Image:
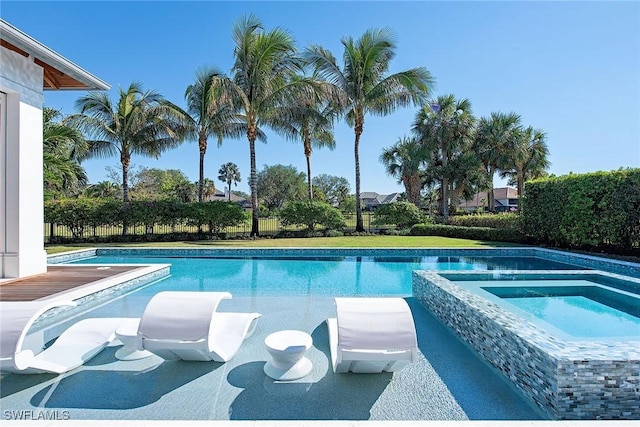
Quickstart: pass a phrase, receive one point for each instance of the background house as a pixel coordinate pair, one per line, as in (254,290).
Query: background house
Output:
(220,196)
(371,200)
(28,68)
(506,199)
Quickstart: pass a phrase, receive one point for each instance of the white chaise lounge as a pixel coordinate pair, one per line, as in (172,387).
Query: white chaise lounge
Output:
(75,346)
(186,325)
(372,335)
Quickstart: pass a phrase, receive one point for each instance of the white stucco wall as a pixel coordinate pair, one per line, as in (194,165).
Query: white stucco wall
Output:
(21,206)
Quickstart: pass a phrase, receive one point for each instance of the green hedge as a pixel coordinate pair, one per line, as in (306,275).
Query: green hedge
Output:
(500,220)
(81,214)
(474,233)
(598,210)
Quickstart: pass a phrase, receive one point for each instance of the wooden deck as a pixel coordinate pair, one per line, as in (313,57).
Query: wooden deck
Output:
(57,279)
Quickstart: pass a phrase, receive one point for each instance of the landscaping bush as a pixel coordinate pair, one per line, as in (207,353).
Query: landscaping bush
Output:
(474,233)
(598,210)
(216,215)
(500,220)
(311,214)
(400,214)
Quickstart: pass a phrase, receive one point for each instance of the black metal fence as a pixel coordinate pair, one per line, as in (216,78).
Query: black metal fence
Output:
(270,226)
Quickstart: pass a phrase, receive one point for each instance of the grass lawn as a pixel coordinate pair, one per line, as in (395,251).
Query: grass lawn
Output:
(315,242)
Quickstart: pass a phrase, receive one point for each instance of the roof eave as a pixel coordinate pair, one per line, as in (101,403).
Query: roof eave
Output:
(27,43)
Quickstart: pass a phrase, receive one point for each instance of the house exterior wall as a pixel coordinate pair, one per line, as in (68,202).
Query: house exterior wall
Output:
(21,206)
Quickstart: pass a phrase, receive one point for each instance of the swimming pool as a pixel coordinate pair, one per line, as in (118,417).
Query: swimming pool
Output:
(449,382)
(316,275)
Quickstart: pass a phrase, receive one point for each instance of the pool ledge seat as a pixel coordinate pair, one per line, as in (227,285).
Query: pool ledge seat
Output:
(186,326)
(76,345)
(372,335)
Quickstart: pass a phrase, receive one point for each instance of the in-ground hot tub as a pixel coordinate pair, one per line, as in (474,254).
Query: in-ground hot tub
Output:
(571,372)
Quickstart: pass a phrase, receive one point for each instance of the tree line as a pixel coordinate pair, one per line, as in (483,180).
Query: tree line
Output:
(300,94)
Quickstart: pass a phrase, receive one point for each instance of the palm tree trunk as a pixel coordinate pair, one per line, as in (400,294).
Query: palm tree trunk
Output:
(356,152)
(252,134)
(307,154)
(490,198)
(520,188)
(413,186)
(229,189)
(202,143)
(445,185)
(125,160)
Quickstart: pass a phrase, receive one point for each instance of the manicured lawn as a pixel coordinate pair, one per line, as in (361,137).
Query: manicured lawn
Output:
(334,242)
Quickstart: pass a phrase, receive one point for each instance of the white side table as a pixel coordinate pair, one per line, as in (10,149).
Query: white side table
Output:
(127,333)
(287,349)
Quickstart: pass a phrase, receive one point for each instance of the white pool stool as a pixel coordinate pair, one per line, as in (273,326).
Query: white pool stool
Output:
(287,349)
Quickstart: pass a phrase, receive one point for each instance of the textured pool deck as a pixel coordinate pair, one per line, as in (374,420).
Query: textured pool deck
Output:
(448,383)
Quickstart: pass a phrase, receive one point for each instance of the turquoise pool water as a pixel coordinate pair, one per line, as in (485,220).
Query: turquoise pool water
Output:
(328,276)
(572,307)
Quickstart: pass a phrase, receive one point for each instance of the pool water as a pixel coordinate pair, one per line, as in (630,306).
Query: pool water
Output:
(578,308)
(328,276)
(580,316)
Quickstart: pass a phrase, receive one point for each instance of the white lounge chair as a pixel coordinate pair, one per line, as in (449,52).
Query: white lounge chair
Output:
(75,346)
(186,325)
(372,335)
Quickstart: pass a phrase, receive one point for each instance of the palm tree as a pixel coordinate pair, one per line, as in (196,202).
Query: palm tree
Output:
(492,136)
(403,160)
(229,173)
(528,158)
(365,86)
(209,188)
(103,189)
(309,117)
(445,126)
(210,114)
(261,81)
(63,148)
(141,122)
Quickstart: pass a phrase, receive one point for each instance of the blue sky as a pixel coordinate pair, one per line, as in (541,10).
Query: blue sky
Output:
(569,68)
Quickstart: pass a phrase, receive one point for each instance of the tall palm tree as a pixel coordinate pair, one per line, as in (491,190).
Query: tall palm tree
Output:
(309,118)
(140,122)
(491,142)
(260,81)
(229,173)
(403,160)
(445,126)
(528,158)
(63,149)
(210,114)
(366,86)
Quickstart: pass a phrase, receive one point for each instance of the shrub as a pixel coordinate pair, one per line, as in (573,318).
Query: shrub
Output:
(311,214)
(474,233)
(216,215)
(400,214)
(595,210)
(75,214)
(501,220)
